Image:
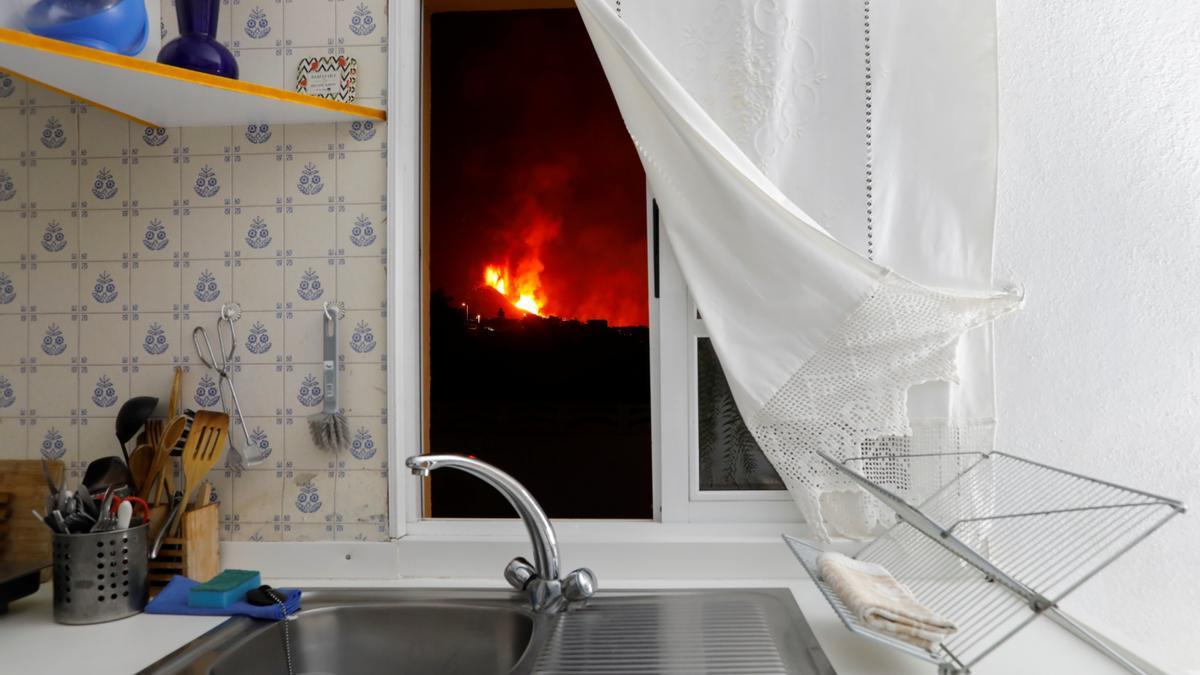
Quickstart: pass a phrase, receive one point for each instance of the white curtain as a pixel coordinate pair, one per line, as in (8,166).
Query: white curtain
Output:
(833,336)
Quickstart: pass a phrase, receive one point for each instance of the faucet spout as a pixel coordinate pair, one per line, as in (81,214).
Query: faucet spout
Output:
(547,591)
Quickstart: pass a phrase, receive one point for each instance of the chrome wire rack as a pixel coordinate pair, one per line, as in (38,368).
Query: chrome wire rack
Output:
(996,547)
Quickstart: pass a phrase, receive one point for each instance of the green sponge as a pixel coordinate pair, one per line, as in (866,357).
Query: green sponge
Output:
(223,590)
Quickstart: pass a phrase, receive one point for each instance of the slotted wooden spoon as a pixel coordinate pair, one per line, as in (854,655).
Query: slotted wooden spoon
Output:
(200,453)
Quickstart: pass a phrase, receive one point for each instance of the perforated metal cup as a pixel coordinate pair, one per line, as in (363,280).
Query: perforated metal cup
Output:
(100,577)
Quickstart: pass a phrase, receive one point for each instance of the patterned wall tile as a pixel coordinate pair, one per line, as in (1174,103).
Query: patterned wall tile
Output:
(116,240)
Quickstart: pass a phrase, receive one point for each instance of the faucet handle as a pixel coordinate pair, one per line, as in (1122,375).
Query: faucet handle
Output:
(518,573)
(579,585)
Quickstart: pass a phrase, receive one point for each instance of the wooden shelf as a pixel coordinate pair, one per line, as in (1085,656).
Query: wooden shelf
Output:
(157,95)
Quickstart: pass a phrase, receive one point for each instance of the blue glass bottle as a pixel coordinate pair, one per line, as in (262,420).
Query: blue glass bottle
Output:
(197,48)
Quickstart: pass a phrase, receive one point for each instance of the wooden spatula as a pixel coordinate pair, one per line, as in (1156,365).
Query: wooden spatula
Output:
(200,453)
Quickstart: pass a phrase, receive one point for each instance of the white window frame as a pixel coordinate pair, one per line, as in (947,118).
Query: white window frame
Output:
(679,505)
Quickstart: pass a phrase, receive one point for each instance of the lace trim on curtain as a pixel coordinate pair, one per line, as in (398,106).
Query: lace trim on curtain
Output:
(850,400)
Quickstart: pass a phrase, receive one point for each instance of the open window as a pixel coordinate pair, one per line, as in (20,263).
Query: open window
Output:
(559,341)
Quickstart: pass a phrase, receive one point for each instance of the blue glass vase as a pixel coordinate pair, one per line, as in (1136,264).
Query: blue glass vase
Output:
(197,48)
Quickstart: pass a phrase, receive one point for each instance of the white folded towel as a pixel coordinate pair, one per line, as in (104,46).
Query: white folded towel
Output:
(878,600)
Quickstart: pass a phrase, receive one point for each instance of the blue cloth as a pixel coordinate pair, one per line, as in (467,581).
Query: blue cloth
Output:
(174,600)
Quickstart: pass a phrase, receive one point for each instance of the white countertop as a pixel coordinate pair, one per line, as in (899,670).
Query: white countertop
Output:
(31,643)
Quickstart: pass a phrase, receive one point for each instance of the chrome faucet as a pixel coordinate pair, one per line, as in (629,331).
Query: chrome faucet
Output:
(547,591)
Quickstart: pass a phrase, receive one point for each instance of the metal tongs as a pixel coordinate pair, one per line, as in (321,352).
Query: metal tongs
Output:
(221,362)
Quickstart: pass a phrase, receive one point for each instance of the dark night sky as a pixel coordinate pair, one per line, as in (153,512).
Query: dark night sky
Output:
(528,152)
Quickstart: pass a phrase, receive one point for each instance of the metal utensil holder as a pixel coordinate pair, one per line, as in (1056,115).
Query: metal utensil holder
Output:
(99,576)
(997,546)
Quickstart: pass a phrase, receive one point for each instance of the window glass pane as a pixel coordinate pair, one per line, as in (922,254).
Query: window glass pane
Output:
(730,459)
(539,358)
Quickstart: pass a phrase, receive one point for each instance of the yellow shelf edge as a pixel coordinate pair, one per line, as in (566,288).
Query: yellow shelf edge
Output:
(38,43)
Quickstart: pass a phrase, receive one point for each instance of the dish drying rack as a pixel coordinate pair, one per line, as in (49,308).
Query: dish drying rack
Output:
(1000,544)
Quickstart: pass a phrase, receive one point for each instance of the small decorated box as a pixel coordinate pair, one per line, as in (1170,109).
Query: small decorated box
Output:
(332,77)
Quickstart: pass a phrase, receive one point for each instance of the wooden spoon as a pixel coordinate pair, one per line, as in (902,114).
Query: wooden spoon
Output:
(204,444)
(162,455)
(141,461)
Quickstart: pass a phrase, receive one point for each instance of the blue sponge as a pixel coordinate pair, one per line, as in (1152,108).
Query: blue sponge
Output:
(223,590)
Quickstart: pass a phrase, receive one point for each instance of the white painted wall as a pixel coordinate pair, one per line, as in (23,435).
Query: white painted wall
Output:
(1099,217)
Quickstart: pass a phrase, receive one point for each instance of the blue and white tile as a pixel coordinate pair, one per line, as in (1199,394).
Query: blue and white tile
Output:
(36,97)
(155,234)
(368,445)
(361,22)
(308,496)
(206,233)
(260,338)
(258,26)
(155,182)
(155,286)
(309,178)
(362,283)
(309,282)
(16,235)
(154,141)
(14,185)
(102,390)
(364,336)
(12,90)
(53,391)
(363,389)
(311,231)
(102,134)
(104,339)
(104,183)
(48,286)
(361,230)
(310,23)
(261,66)
(222,490)
(51,184)
(258,496)
(206,182)
(14,392)
(257,231)
(54,339)
(266,441)
(103,287)
(53,132)
(364,135)
(257,180)
(201,386)
(258,139)
(302,390)
(362,496)
(359,180)
(215,141)
(156,338)
(54,438)
(206,286)
(104,235)
(53,235)
(259,284)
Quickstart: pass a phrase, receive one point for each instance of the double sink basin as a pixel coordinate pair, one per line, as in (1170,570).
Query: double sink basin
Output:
(479,632)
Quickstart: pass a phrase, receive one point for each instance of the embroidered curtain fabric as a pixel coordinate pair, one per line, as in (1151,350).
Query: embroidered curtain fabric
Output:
(833,336)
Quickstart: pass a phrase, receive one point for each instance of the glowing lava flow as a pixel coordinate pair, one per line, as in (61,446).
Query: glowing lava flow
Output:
(525,292)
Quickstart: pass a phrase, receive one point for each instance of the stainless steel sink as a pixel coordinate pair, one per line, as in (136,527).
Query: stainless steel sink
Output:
(477,632)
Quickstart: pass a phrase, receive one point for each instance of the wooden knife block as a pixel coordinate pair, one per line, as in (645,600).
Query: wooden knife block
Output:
(195,554)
